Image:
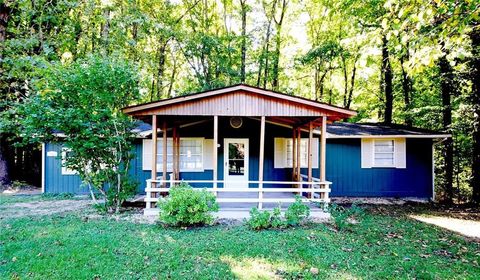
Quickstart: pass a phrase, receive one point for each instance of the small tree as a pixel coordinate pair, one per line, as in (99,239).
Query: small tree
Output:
(83,101)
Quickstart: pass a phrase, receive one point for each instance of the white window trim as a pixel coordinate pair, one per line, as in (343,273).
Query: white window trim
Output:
(305,165)
(66,170)
(394,161)
(159,153)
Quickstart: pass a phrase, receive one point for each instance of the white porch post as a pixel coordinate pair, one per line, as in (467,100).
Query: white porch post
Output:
(215,154)
(154,161)
(310,139)
(164,153)
(323,152)
(260,163)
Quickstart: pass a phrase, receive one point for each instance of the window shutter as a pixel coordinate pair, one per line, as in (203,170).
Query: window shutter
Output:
(208,154)
(280,153)
(367,153)
(400,153)
(315,153)
(147,154)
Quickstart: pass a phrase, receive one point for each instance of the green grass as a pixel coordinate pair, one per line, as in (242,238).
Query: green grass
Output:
(382,245)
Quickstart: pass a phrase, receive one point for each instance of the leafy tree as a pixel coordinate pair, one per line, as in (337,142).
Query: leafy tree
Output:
(83,101)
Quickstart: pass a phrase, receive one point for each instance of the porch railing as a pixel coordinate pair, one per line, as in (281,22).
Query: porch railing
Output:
(316,190)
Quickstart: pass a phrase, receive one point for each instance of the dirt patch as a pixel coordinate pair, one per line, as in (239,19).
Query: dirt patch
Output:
(43,207)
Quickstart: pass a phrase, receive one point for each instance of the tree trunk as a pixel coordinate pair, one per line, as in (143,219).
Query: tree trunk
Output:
(345,80)
(4,166)
(161,67)
(4,16)
(446,86)
(407,90)
(475,99)
(352,84)
(278,41)
(387,81)
(244,39)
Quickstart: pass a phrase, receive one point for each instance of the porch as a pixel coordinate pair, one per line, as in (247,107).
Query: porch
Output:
(314,193)
(264,147)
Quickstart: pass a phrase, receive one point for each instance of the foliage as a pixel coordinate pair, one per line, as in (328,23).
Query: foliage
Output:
(259,219)
(297,212)
(330,51)
(387,244)
(185,206)
(83,101)
(295,215)
(344,217)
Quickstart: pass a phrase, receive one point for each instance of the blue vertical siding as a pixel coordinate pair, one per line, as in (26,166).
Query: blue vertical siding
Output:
(343,166)
(55,182)
(343,169)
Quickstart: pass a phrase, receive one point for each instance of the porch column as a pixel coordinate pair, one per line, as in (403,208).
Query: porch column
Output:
(323,148)
(154,162)
(310,139)
(154,148)
(164,154)
(323,151)
(294,155)
(260,163)
(215,154)
(175,152)
(299,151)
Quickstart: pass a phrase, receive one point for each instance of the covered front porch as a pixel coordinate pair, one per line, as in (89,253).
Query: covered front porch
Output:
(259,148)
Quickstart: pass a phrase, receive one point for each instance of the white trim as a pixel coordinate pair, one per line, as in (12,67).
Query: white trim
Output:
(66,170)
(43,167)
(394,159)
(246,166)
(333,136)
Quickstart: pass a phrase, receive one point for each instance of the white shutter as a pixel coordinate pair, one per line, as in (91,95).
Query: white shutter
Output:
(279,154)
(400,153)
(315,153)
(147,154)
(367,153)
(208,154)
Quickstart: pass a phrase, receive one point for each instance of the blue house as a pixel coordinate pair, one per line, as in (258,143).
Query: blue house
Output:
(250,145)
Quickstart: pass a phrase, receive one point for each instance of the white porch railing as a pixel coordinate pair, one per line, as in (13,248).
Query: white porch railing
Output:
(316,190)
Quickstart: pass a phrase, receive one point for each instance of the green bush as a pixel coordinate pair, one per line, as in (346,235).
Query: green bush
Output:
(188,207)
(295,214)
(259,219)
(342,216)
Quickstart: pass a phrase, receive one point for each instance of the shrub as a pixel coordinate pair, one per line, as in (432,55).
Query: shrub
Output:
(343,217)
(259,219)
(297,212)
(188,207)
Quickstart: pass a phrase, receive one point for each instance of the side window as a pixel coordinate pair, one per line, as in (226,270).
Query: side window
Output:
(66,152)
(384,153)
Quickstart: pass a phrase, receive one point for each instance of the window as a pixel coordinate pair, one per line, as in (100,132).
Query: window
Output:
(191,154)
(303,153)
(65,170)
(384,153)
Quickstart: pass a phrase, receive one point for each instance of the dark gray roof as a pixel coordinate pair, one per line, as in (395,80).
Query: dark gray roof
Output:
(344,129)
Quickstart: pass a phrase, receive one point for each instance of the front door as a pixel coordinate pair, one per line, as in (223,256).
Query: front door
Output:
(235,163)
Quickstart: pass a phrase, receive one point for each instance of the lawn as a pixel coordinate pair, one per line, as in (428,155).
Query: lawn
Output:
(79,245)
